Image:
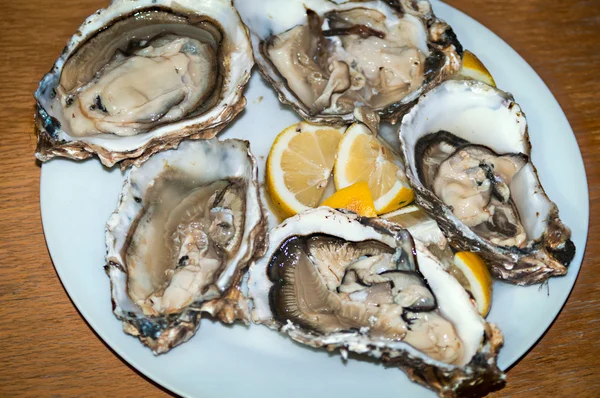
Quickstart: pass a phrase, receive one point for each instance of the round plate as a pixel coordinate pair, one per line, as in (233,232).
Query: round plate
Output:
(78,197)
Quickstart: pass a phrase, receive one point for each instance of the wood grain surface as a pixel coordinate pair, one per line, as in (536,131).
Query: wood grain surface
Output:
(47,349)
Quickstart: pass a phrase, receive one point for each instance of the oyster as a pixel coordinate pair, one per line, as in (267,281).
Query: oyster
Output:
(140,76)
(327,58)
(187,224)
(340,281)
(467,148)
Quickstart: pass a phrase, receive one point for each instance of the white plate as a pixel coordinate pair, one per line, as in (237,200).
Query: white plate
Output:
(77,199)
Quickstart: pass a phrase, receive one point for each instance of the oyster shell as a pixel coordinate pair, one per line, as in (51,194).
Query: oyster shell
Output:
(187,224)
(340,281)
(418,223)
(140,76)
(326,58)
(466,149)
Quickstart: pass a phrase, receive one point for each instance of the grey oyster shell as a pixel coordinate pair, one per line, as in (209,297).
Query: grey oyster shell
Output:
(476,371)
(188,223)
(475,113)
(201,121)
(269,18)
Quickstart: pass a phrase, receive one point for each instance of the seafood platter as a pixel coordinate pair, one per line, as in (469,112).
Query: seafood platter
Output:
(375,227)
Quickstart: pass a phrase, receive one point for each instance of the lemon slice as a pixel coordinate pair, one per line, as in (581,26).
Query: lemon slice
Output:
(473,68)
(478,277)
(361,157)
(356,198)
(299,166)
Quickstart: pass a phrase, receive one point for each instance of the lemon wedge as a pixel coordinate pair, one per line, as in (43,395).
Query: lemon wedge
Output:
(299,166)
(361,157)
(356,198)
(478,278)
(473,68)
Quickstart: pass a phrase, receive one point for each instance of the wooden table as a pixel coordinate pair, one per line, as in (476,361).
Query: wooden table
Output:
(48,349)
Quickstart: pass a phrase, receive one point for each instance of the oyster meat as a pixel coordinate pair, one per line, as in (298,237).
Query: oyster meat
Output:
(340,281)
(140,76)
(327,58)
(467,155)
(187,224)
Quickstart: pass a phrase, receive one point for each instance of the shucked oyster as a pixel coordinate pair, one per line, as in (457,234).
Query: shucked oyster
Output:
(467,150)
(325,58)
(188,223)
(340,281)
(140,76)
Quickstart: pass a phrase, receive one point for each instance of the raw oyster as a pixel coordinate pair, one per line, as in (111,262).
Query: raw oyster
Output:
(326,58)
(140,76)
(188,223)
(467,148)
(340,281)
